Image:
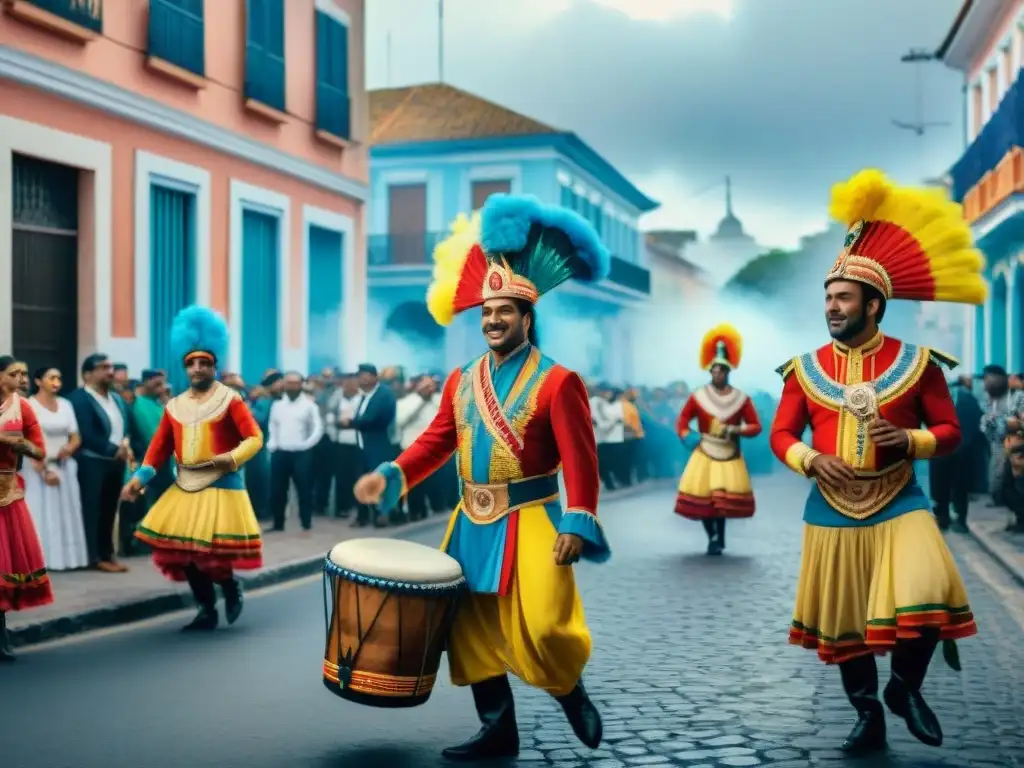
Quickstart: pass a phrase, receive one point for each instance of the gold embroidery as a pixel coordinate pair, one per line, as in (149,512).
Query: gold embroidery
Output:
(870,492)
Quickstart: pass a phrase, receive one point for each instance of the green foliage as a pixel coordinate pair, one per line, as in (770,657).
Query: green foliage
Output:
(766,274)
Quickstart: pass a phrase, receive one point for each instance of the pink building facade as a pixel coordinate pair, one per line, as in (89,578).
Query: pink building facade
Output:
(163,152)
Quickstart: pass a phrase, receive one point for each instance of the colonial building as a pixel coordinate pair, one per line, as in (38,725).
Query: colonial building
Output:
(438,151)
(985,42)
(163,152)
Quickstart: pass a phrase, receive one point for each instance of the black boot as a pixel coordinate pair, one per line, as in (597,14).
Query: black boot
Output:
(711,529)
(583,716)
(6,650)
(902,695)
(499,736)
(860,681)
(206,598)
(232,599)
(720,525)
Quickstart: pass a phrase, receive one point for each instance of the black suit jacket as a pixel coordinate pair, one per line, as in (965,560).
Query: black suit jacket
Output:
(94,425)
(374,425)
(968,413)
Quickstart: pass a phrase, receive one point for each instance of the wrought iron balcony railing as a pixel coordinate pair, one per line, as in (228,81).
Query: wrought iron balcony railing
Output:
(414,249)
(84,13)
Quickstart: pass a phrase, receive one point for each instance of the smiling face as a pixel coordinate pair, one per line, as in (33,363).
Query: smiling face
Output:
(504,325)
(846,312)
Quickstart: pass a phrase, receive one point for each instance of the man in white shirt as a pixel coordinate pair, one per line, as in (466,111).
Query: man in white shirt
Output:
(105,426)
(347,456)
(413,414)
(610,432)
(295,429)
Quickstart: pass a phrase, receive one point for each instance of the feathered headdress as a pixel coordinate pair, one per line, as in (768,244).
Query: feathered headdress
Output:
(199,332)
(722,345)
(516,247)
(906,243)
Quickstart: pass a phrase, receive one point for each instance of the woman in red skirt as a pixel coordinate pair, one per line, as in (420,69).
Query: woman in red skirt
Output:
(24,582)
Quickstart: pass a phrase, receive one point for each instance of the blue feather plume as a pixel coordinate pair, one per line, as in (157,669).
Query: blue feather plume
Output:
(199,329)
(507,221)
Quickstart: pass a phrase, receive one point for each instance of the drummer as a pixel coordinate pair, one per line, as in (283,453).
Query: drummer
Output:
(513,416)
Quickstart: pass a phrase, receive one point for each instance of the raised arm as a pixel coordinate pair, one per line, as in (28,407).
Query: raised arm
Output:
(941,434)
(248,430)
(791,419)
(160,449)
(751,421)
(574,437)
(428,453)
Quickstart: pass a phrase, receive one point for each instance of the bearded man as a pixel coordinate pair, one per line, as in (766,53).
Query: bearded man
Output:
(513,417)
(876,575)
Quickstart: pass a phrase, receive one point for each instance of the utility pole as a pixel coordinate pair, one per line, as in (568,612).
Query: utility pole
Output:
(440,41)
(389,81)
(918,57)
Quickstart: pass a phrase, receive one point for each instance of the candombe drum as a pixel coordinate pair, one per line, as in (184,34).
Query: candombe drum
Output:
(388,607)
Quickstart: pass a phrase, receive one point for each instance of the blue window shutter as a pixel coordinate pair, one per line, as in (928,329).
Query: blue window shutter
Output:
(177,35)
(332,97)
(172,259)
(260,262)
(264,52)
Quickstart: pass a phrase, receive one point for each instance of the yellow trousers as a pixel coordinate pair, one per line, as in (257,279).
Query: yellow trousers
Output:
(537,631)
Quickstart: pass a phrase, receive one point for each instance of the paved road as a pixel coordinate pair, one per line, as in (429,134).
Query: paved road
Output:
(690,668)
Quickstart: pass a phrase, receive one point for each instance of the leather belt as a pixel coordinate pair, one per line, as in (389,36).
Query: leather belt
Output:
(489,503)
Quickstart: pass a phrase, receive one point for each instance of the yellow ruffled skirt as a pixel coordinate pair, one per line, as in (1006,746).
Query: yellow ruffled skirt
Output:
(214,529)
(710,489)
(537,632)
(863,588)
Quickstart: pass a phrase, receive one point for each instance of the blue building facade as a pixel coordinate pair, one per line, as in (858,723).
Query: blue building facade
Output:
(422,179)
(986,43)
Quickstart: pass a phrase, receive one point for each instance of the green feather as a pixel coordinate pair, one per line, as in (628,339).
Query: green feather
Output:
(543,262)
(951,654)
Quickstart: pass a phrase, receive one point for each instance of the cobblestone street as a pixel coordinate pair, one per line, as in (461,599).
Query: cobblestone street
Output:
(690,668)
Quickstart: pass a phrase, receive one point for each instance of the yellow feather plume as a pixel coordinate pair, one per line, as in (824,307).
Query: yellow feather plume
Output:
(726,334)
(932,219)
(449,260)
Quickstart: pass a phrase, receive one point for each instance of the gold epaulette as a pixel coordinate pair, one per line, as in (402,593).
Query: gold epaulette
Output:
(941,358)
(786,368)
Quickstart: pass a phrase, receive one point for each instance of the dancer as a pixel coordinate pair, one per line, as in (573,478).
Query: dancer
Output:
(715,484)
(203,528)
(876,574)
(24,582)
(512,417)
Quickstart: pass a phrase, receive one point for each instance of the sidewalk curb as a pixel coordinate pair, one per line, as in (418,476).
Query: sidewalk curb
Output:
(995,551)
(141,609)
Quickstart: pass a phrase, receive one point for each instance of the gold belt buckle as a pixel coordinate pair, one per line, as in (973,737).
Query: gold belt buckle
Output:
(485,503)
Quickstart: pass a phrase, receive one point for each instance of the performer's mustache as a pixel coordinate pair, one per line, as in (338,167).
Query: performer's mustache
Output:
(495,327)
(836,316)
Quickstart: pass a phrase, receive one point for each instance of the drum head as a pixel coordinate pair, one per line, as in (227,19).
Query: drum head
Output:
(396,560)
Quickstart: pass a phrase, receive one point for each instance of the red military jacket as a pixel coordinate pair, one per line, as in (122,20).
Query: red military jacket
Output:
(909,388)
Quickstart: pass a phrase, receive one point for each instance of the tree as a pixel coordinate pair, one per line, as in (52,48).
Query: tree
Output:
(766,274)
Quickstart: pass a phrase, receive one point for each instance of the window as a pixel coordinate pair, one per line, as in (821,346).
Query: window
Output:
(264,52)
(566,197)
(333,115)
(176,33)
(481,190)
(977,114)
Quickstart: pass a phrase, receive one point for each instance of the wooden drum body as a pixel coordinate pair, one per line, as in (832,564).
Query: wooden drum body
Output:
(388,606)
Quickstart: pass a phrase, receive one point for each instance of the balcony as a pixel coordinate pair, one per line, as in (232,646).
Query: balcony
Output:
(177,40)
(77,20)
(631,276)
(403,250)
(1001,134)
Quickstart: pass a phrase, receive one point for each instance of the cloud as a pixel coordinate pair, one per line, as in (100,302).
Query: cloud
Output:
(789,96)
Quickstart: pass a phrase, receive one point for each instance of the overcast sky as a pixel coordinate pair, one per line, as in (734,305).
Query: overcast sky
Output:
(786,96)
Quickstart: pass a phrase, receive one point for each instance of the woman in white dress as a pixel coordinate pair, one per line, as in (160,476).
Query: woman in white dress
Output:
(51,485)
